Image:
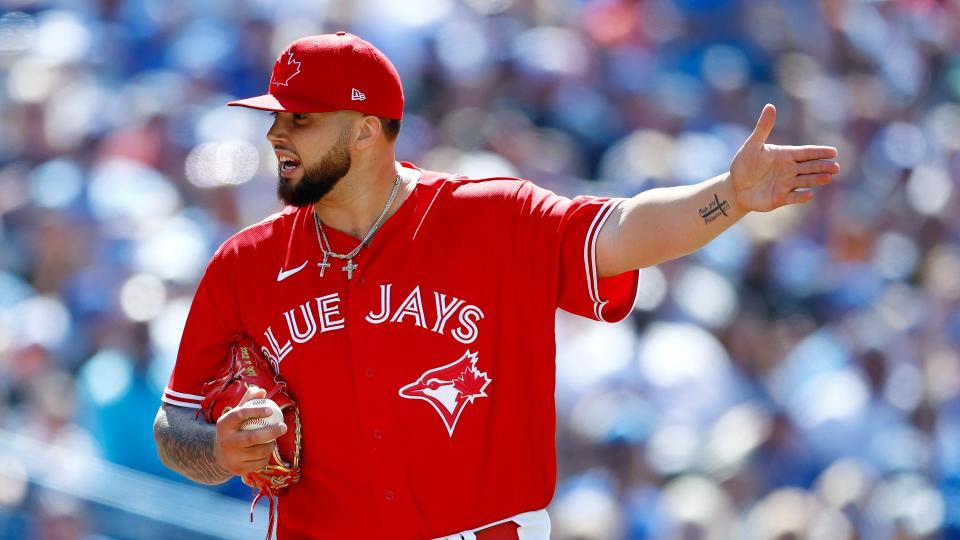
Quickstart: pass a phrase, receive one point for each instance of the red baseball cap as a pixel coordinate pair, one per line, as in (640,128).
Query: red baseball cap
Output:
(331,72)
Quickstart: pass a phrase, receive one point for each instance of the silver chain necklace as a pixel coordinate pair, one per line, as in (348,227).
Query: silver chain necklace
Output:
(327,249)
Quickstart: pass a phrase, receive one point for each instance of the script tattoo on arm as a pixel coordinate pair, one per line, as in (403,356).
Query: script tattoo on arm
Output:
(715,209)
(185,444)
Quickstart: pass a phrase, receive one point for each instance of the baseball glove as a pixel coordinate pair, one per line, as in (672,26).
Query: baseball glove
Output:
(248,366)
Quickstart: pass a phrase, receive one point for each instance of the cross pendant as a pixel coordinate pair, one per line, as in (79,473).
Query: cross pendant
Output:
(349,268)
(324,265)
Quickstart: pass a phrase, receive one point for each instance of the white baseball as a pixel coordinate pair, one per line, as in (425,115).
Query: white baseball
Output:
(276,416)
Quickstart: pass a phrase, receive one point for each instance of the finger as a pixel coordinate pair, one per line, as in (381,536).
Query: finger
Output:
(251,453)
(810,180)
(818,166)
(241,458)
(257,452)
(799,197)
(768,117)
(235,417)
(807,153)
(253,465)
(263,435)
(253,392)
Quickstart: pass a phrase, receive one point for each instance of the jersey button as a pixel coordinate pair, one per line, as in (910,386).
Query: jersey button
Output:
(362,281)
(377,434)
(389,496)
(369,372)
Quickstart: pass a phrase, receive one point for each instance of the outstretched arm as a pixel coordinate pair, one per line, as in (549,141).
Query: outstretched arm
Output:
(666,223)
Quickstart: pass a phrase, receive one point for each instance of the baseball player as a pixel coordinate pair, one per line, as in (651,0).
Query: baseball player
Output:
(411,312)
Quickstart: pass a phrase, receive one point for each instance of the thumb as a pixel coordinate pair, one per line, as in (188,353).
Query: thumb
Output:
(764,125)
(253,392)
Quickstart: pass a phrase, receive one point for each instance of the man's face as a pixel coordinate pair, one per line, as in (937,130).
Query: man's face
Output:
(313,154)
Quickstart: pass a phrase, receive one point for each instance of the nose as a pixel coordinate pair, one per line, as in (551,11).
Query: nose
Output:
(277,132)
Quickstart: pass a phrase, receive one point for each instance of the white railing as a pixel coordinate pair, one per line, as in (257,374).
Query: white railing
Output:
(91,479)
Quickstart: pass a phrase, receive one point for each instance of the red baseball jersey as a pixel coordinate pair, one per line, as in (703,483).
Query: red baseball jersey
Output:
(425,382)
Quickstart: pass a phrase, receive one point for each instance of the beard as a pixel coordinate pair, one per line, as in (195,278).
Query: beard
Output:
(317,180)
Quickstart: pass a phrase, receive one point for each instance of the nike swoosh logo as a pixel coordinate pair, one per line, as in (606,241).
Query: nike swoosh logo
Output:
(285,274)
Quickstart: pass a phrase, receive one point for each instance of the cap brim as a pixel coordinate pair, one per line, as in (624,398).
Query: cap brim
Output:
(270,102)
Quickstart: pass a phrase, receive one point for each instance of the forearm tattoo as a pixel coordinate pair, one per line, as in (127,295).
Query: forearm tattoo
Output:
(715,209)
(185,444)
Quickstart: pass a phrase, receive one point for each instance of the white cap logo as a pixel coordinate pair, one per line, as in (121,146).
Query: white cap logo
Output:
(284,72)
(357,95)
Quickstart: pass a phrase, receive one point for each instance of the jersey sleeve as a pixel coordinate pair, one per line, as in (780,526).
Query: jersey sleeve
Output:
(212,324)
(563,232)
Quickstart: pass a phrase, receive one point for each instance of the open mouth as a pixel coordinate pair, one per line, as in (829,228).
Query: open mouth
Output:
(288,166)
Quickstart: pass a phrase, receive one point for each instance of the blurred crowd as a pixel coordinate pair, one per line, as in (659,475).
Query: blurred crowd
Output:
(797,378)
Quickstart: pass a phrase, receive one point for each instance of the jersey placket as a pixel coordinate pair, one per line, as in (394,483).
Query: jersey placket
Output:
(382,450)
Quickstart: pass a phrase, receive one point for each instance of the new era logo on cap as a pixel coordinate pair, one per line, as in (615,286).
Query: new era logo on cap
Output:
(357,95)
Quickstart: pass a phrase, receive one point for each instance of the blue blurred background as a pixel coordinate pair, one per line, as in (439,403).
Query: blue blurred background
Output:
(799,378)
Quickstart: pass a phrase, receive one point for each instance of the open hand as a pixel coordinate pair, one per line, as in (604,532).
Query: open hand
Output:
(766,176)
(241,452)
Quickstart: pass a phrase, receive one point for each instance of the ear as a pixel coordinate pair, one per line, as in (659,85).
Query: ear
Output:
(368,131)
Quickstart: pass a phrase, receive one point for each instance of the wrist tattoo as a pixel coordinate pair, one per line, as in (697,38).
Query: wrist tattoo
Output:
(713,210)
(186,445)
